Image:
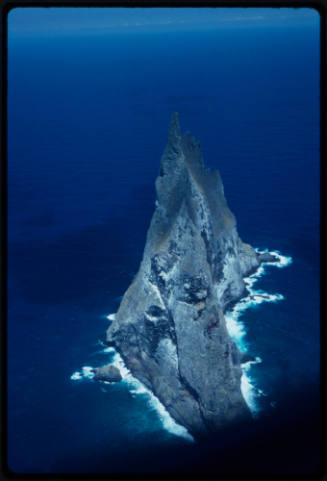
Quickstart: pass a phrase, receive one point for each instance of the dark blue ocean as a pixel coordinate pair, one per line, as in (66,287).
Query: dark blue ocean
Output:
(87,125)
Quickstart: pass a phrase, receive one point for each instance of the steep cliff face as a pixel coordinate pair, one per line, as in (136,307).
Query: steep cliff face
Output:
(170,327)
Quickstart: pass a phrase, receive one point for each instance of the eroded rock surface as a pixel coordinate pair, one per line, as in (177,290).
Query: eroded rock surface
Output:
(107,373)
(170,327)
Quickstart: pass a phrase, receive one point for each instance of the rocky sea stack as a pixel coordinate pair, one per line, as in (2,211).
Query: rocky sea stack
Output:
(170,327)
(108,373)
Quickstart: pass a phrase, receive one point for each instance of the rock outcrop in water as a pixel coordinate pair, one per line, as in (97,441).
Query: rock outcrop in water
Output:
(170,327)
(108,373)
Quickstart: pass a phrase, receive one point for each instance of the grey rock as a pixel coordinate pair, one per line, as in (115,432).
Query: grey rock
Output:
(107,373)
(267,257)
(170,327)
(245,357)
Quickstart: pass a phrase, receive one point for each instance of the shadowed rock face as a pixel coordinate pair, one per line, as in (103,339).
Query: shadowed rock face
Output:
(170,327)
(107,373)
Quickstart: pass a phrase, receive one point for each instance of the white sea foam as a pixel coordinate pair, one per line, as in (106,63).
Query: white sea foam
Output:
(249,392)
(237,330)
(111,317)
(249,389)
(85,373)
(283,261)
(108,349)
(235,326)
(136,387)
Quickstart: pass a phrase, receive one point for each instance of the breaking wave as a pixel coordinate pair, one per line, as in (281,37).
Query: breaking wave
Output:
(85,373)
(136,387)
(237,330)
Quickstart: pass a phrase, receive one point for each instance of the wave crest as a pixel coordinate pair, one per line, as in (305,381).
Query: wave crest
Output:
(236,328)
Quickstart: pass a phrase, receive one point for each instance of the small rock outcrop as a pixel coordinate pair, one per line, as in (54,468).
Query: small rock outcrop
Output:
(245,358)
(170,327)
(107,373)
(267,257)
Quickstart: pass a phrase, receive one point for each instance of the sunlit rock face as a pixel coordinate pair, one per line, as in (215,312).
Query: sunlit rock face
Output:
(170,327)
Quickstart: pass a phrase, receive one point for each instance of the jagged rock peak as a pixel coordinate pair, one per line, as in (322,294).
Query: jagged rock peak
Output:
(181,151)
(174,130)
(172,158)
(185,183)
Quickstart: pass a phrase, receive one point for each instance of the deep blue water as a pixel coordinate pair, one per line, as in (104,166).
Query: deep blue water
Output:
(87,124)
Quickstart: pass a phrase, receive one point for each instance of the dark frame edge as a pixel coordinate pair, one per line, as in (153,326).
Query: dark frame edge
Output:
(6,7)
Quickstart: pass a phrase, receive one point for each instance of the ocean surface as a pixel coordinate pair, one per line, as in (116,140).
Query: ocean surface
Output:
(87,125)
